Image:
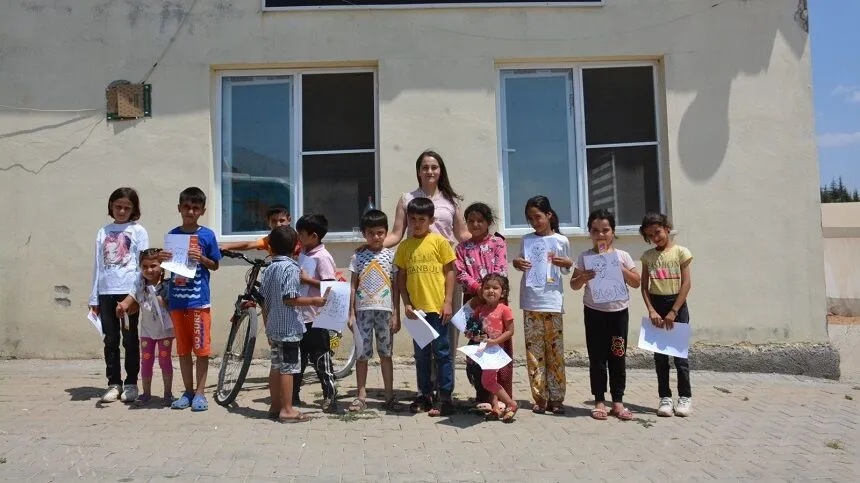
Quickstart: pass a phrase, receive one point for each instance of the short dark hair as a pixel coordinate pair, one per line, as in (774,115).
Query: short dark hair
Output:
(283,240)
(193,195)
(373,219)
(482,209)
(313,223)
(420,206)
(601,214)
(277,210)
(131,195)
(653,218)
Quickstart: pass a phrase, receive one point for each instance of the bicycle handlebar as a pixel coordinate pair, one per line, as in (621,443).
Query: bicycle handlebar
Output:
(241,256)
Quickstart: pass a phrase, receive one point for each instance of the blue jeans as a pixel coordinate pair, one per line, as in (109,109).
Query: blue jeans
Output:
(441,350)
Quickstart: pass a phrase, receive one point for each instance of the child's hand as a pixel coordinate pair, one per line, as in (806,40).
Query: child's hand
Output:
(588,275)
(491,342)
(194,253)
(164,256)
(320,301)
(669,320)
(409,313)
(395,324)
(562,262)
(120,310)
(447,312)
(94,309)
(656,320)
(304,278)
(350,322)
(521,264)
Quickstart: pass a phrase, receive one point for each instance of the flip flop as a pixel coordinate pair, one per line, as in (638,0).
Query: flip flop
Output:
(299,418)
(623,415)
(599,414)
(508,415)
(538,408)
(557,408)
(485,407)
(167,400)
(143,400)
(357,406)
(199,403)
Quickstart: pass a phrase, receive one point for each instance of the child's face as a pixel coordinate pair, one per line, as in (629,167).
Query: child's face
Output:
(375,236)
(308,240)
(658,235)
(121,210)
(278,219)
(420,224)
(601,233)
(538,220)
(191,212)
(151,270)
(478,226)
(491,291)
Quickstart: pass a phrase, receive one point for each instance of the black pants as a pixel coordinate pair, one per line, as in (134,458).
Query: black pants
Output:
(606,339)
(316,350)
(663,304)
(113,328)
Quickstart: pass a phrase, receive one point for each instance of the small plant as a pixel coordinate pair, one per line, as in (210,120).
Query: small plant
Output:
(835,444)
(350,416)
(2,460)
(746,398)
(849,397)
(645,423)
(722,390)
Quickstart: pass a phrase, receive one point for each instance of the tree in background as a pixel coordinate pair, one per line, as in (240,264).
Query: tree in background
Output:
(836,192)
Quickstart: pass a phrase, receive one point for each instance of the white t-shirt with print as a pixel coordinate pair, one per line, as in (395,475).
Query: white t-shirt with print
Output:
(376,272)
(115,269)
(550,298)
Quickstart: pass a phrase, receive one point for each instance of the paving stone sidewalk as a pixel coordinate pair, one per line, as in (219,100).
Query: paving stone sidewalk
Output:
(754,426)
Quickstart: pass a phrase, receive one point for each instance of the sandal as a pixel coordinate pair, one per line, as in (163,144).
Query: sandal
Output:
(167,400)
(357,406)
(298,418)
(421,404)
(624,414)
(391,405)
(445,408)
(508,415)
(199,403)
(538,408)
(491,416)
(143,400)
(184,401)
(557,408)
(485,407)
(599,414)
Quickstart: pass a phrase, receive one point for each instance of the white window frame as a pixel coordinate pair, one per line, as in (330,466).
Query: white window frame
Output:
(579,146)
(431,5)
(298,152)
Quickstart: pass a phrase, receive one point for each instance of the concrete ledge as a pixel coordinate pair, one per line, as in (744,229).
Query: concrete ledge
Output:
(846,307)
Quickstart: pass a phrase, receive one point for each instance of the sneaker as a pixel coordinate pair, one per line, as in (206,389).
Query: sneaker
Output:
(684,407)
(129,393)
(665,409)
(112,394)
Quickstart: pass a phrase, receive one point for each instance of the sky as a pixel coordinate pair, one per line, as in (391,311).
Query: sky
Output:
(835,43)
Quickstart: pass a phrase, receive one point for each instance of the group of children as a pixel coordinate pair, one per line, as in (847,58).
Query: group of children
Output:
(132,298)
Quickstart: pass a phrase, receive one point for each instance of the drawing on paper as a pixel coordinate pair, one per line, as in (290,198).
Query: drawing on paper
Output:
(540,272)
(608,283)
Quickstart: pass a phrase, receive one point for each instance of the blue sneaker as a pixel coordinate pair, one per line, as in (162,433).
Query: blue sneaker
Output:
(184,401)
(199,403)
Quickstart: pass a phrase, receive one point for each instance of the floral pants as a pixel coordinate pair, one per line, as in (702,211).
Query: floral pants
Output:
(545,356)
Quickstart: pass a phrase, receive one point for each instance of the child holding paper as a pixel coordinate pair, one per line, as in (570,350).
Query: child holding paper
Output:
(118,246)
(542,303)
(189,300)
(374,306)
(155,326)
(497,329)
(482,255)
(665,286)
(425,275)
(316,347)
(606,323)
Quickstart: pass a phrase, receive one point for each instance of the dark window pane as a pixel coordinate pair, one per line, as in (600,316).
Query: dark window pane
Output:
(625,181)
(619,105)
(337,185)
(255,166)
(337,112)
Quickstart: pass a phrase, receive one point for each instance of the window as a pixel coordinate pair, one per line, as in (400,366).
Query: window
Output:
(306,140)
(585,136)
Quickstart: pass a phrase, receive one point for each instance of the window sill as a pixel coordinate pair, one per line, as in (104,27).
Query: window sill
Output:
(571,232)
(342,237)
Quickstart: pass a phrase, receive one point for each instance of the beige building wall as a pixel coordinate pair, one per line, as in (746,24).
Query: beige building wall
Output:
(840,224)
(737,147)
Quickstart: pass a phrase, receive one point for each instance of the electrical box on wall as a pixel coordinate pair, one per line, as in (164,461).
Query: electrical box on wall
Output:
(128,101)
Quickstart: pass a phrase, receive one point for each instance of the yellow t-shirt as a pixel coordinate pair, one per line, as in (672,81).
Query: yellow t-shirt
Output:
(424,259)
(664,269)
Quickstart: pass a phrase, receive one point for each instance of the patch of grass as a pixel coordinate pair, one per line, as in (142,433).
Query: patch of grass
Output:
(318,394)
(2,460)
(849,397)
(835,444)
(645,423)
(856,388)
(349,416)
(722,390)
(746,398)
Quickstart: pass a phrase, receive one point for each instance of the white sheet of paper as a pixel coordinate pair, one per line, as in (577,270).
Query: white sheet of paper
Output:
(542,271)
(675,342)
(335,312)
(608,285)
(178,246)
(459,319)
(420,330)
(309,266)
(96,321)
(358,339)
(490,358)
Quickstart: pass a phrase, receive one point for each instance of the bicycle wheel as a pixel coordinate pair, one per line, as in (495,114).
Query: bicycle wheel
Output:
(237,357)
(343,353)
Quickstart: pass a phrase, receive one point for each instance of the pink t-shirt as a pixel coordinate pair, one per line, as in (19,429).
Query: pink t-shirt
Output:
(493,320)
(325,270)
(444,211)
(477,259)
(588,300)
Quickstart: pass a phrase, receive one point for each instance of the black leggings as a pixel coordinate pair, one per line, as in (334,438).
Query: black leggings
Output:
(316,350)
(663,304)
(606,339)
(113,329)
